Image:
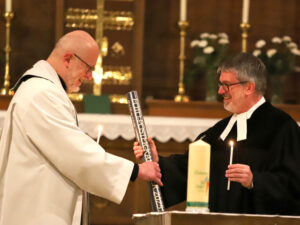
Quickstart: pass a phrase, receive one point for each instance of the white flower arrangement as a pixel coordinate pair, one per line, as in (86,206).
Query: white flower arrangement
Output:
(278,55)
(209,50)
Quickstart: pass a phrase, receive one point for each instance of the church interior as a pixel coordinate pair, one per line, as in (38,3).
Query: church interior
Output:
(155,48)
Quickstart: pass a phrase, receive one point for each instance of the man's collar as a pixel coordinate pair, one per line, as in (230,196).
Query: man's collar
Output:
(241,120)
(62,82)
(261,101)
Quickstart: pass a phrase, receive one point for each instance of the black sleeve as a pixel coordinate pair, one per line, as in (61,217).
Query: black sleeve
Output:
(278,189)
(174,178)
(135,172)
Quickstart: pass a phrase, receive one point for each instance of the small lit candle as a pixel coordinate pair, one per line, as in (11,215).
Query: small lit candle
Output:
(99,133)
(183,9)
(231,143)
(245,12)
(8,4)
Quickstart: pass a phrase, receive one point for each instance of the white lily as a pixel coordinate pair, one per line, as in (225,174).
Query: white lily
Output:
(213,36)
(292,45)
(223,35)
(271,52)
(208,50)
(202,43)
(286,38)
(223,41)
(295,51)
(256,52)
(260,43)
(276,40)
(204,35)
(194,43)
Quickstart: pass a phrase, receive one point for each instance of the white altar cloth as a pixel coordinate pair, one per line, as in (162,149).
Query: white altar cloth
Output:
(161,128)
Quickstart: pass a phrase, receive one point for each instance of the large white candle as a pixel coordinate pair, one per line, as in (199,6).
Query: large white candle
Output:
(183,9)
(8,5)
(231,143)
(245,15)
(198,176)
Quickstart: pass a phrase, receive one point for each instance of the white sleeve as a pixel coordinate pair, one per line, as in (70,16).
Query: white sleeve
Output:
(50,125)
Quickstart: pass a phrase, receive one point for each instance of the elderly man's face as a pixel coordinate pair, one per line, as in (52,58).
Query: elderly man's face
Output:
(79,71)
(233,92)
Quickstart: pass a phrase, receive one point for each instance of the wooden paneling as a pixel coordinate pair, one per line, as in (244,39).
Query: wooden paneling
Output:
(268,18)
(32,35)
(203,109)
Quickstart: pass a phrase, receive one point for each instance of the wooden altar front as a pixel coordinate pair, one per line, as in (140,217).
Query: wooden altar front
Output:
(183,218)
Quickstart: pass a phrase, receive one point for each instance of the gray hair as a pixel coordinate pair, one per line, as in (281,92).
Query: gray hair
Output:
(247,68)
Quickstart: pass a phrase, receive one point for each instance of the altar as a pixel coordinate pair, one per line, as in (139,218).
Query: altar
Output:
(163,129)
(182,218)
(172,135)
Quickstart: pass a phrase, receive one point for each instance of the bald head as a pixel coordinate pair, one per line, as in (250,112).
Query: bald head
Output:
(73,56)
(79,42)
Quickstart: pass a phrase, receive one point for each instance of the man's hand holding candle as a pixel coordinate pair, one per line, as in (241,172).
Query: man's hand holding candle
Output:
(240,173)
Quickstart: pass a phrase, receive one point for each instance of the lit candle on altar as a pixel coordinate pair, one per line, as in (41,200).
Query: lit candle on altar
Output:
(245,12)
(231,143)
(99,133)
(8,5)
(183,9)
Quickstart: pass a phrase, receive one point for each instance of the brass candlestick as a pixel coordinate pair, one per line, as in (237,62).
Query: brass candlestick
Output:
(98,73)
(244,27)
(5,90)
(181,97)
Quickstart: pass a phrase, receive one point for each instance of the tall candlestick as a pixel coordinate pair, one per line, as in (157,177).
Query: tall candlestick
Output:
(245,12)
(5,90)
(181,96)
(231,143)
(8,5)
(245,27)
(183,10)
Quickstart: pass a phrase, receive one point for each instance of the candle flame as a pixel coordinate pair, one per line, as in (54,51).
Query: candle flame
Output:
(99,133)
(231,143)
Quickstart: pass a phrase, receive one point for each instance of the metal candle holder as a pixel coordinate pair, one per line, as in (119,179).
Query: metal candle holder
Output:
(181,97)
(244,27)
(5,90)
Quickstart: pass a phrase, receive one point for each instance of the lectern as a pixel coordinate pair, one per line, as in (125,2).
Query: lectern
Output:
(185,218)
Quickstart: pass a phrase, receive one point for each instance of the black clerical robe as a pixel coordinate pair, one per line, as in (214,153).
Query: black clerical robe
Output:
(272,150)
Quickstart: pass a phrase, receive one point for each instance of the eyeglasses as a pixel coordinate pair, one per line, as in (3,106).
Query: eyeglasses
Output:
(90,68)
(227,86)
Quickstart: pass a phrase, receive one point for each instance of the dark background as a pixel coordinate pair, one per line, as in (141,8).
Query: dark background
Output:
(34,32)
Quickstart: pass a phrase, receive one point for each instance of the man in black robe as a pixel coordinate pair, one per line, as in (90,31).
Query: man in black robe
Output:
(265,174)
